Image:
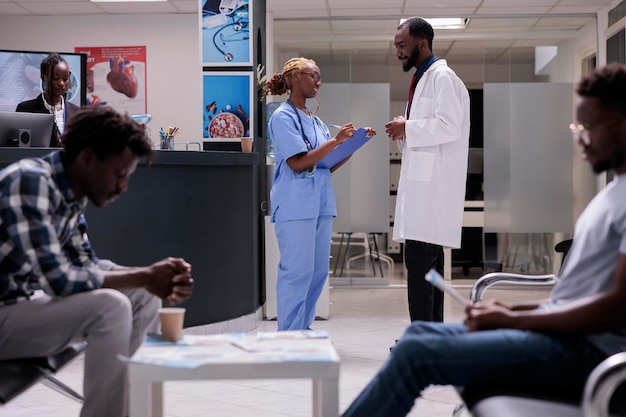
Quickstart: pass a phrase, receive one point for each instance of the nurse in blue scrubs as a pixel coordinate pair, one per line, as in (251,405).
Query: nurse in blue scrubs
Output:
(302,198)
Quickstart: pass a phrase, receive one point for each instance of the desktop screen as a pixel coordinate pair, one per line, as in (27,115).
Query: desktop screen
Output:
(20,77)
(31,130)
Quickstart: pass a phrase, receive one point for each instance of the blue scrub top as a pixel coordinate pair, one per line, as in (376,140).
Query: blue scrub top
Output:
(294,195)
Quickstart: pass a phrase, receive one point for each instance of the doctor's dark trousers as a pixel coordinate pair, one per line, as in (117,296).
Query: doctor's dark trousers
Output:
(425,300)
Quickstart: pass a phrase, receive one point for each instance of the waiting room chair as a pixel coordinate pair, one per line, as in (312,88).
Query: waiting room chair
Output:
(604,393)
(17,375)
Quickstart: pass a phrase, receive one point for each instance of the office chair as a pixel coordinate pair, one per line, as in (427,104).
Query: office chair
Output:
(17,375)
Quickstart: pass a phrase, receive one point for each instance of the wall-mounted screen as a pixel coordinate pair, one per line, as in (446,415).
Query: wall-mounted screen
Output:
(25,130)
(20,77)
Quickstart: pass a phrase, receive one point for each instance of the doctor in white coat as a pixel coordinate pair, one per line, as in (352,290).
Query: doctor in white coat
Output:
(434,141)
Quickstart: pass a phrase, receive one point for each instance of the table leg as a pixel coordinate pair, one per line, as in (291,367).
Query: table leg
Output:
(145,399)
(157,399)
(326,397)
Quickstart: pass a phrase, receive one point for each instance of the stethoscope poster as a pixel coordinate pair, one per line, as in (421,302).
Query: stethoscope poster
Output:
(227,105)
(225,32)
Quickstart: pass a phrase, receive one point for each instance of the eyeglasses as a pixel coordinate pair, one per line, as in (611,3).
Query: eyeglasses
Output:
(316,77)
(580,132)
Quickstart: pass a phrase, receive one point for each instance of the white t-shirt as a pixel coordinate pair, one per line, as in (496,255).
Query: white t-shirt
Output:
(599,238)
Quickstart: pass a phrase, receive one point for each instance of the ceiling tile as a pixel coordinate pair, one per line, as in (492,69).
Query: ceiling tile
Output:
(271,5)
(516,3)
(299,14)
(512,11)
(558,23)
(598,3)
(11,9)
(444,4)
(503,23)
(439,11)
(369,11)
(575,9)
(133,8)
(48,8)
(364,4)
(186,6)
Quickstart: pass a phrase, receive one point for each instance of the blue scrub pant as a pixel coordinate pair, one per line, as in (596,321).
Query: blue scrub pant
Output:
(304,263)
(446,354)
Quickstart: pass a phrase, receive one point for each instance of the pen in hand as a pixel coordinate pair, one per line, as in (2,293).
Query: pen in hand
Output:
(334,126)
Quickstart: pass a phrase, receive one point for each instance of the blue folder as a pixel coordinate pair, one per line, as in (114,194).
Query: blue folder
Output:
(345,149)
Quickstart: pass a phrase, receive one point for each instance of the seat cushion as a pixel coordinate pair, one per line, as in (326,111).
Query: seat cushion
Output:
(500,406)
(16,377)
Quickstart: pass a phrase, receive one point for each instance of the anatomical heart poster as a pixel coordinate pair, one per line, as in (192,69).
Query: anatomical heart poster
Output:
(116,77)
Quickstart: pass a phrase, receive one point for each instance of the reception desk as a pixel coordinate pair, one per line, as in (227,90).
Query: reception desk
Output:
(202,206)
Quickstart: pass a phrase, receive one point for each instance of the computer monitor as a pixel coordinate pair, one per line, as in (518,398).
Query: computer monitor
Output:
(20,77)
(25,130)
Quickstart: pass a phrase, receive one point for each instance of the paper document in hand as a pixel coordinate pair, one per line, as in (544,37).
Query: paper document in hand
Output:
(345,149)
(436,279)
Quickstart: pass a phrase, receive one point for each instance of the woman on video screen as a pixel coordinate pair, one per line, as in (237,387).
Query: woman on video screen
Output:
(55,74)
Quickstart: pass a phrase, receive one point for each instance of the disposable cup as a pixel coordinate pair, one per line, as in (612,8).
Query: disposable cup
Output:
(246,144)
(172,319)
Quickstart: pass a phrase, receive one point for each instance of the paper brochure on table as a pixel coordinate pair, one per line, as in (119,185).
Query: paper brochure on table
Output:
(197,350)
(345,149)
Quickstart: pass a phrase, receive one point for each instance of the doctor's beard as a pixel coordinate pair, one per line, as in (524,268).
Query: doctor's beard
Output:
(412,61)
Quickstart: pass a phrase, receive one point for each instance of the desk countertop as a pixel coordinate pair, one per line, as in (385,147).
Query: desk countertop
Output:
(216,158)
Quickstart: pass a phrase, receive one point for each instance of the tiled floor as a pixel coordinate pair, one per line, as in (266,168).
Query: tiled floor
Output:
(363,323)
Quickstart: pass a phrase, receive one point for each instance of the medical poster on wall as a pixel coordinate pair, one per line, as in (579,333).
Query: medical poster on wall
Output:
(225,32)
(227,105)
(116,77)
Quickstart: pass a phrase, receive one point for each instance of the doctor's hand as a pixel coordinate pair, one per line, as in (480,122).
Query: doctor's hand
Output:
(395,128)
(345,133)
(370,132)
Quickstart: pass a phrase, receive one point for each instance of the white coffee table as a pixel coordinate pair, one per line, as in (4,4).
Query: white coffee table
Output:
(271,355)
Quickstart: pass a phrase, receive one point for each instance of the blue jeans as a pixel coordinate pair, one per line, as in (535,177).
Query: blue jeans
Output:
(446,354)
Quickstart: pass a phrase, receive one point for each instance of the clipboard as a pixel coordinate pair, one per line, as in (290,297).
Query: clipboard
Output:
(345,149)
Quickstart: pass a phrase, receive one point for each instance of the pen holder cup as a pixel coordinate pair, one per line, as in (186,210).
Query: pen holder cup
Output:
(167,142)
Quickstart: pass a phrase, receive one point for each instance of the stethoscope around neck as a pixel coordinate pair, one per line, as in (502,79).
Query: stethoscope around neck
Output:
(306,140)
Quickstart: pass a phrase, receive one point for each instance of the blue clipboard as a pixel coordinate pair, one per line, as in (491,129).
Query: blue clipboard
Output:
(345,149)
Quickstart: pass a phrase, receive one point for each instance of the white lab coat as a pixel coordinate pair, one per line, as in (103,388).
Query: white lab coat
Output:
(431,190)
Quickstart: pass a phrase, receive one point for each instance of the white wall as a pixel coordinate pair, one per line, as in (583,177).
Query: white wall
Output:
(173,68)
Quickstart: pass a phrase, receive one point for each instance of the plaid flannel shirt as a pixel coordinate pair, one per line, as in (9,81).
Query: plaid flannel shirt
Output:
(43,240)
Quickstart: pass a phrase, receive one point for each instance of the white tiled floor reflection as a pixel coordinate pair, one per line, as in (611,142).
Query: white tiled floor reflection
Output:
(363,324)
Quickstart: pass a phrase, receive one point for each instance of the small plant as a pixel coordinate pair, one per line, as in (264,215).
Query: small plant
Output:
(261,80)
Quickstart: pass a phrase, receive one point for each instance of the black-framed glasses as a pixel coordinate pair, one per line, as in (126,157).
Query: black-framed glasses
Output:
(316,77)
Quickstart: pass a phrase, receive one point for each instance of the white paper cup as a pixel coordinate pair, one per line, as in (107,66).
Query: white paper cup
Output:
(172,319)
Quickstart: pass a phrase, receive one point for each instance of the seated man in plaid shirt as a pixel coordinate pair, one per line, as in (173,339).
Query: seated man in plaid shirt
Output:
(54,291)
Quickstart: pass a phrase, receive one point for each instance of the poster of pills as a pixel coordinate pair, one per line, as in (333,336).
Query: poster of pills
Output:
(225,37)
(116,77)
(227,104)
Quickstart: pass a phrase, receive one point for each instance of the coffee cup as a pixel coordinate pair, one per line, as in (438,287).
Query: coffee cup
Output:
(172,319)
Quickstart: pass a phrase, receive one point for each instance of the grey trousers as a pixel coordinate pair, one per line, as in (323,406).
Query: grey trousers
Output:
(112,322)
